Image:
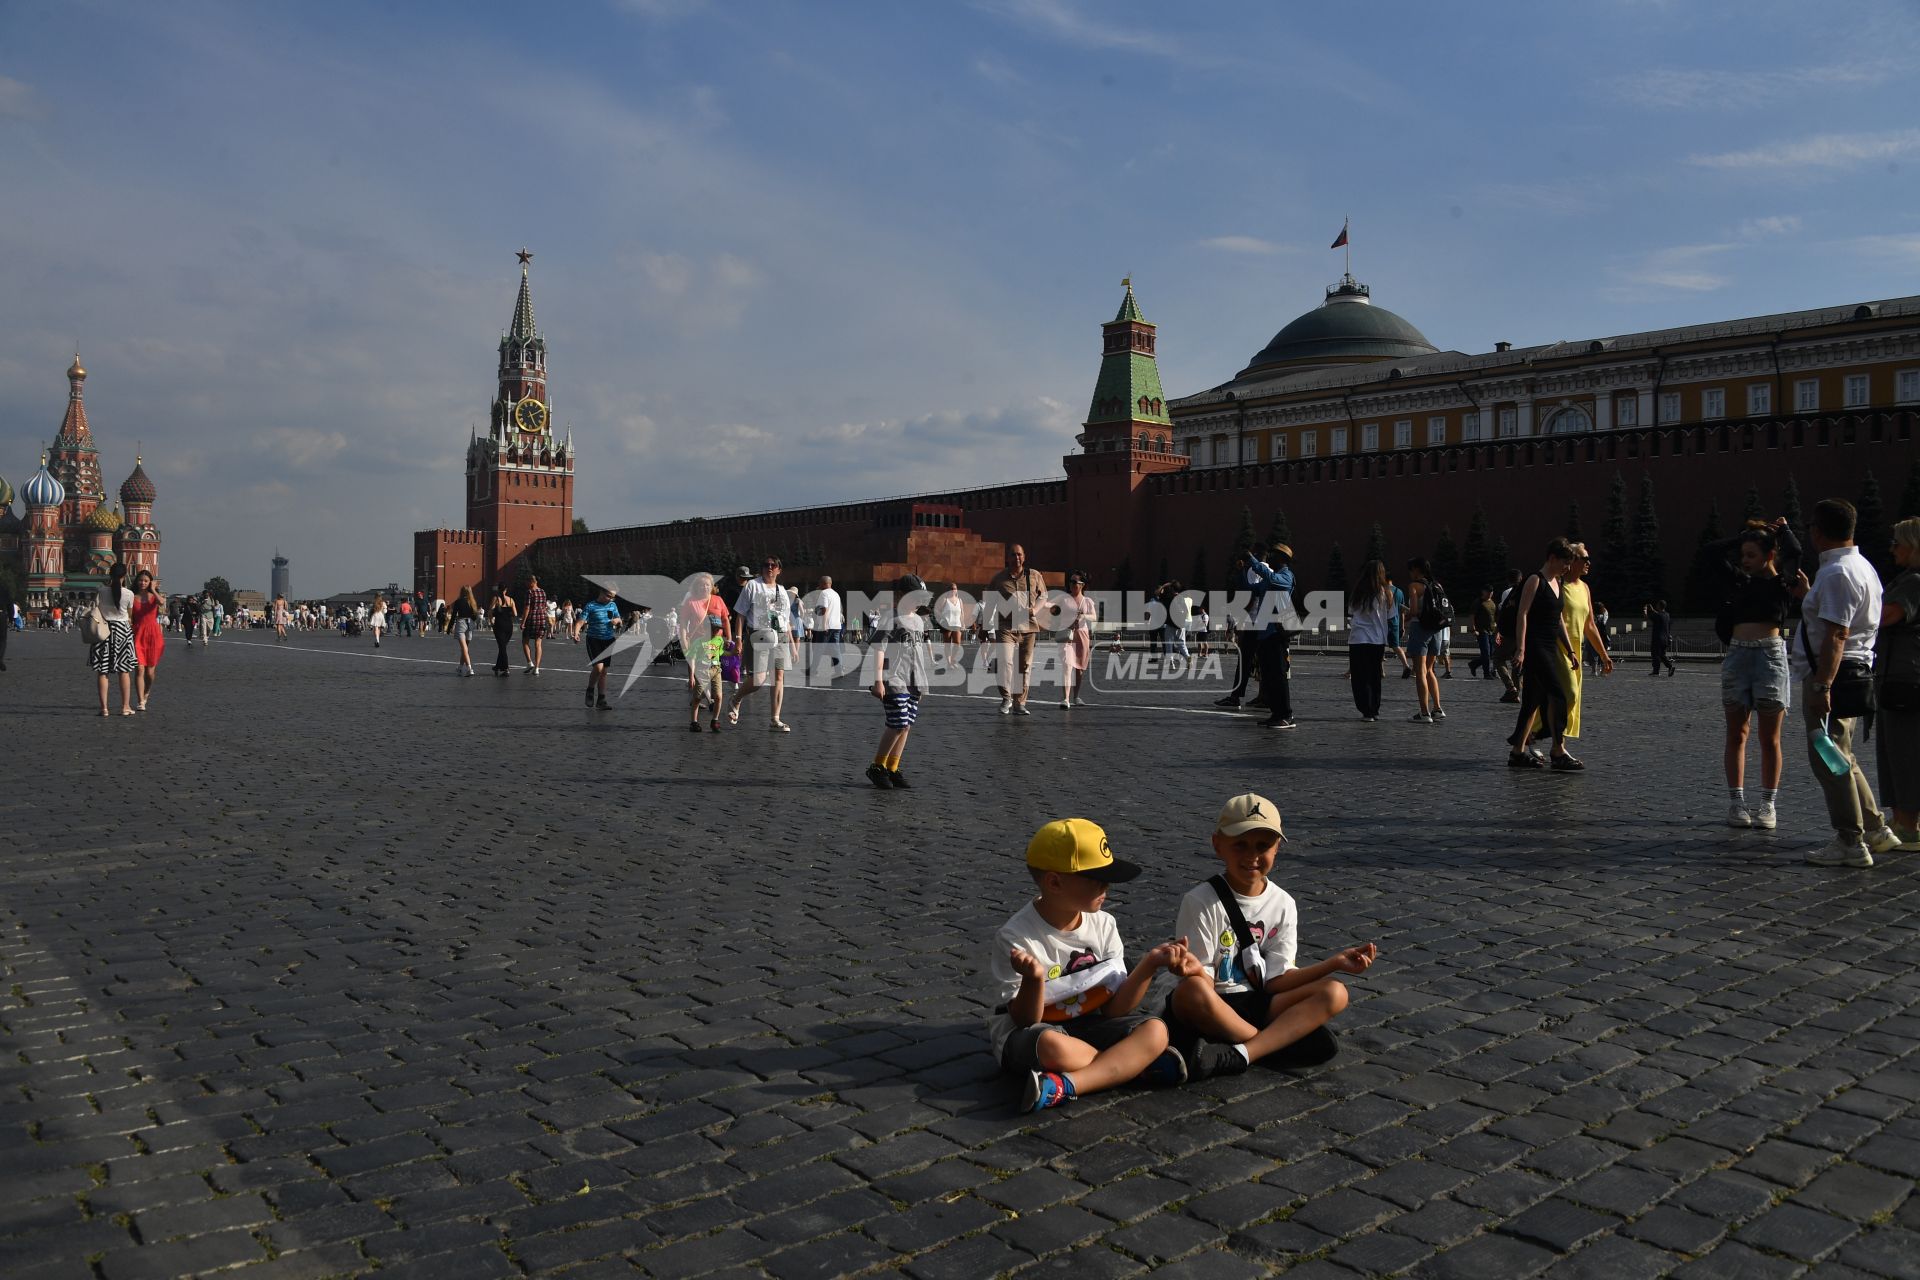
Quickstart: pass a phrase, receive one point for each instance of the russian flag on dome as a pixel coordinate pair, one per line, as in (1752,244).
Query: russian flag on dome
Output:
(1339,239)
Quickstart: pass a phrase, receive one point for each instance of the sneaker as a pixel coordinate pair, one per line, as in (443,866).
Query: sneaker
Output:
(527,670)
(589,697)
(879,777)
(1212,1059)
(1764,817)
(1044,1089)
(1021,710)
(1439,713)
(536,671)
(603,705)
(898,780)
(1279,722)
(1066,706)
(1882,840)
(1420,717)
(1909,840)
(1006,706)
(1368,719)
(1228,701)
(1509,697)
(1838,853)
(779,726)
(695,726)
(715,726)
(1737,815)
(1166,1071)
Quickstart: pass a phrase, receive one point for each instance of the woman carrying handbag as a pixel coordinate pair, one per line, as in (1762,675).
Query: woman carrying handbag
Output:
(113,655)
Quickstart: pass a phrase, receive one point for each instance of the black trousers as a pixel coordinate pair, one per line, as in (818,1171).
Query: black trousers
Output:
(502,638)
(1660,657)
(1274,687)
(1366,662)
(1247,643)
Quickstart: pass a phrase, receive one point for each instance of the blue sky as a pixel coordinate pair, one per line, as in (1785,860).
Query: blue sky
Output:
(789,253)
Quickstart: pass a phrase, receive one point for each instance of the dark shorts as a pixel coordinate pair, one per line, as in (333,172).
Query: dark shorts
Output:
(1317,1046)
(1022,1052)
(597,647)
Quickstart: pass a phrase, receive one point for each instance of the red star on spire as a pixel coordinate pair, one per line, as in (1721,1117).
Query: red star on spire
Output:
(524,257)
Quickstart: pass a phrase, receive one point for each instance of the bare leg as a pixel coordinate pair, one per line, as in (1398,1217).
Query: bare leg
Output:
(1092,1071)
(1772,757)
(779,692)
(103,695)
(1736,749)
(1291,1014)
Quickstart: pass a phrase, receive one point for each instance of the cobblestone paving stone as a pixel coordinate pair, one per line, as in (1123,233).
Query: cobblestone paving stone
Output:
(335,963)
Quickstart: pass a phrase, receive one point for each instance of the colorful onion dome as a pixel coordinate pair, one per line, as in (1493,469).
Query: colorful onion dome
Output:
(137,487)
(43,490)
(106,518)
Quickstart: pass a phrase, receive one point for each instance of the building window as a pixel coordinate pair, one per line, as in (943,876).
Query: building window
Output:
(1713,403)
(1626,410)
(1370,437)
(1509,422)
(1856,390)
(1309,443)
(1436,430)
(1220,455)
(1250,449)
(1906,386)
(1759,399)
(1669,406)
(1806,395)
(1403,433)
(1337,440)
(1470,425)
(1279,445)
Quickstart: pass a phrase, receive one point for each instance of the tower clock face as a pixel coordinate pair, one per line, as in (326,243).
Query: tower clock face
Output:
(530,416)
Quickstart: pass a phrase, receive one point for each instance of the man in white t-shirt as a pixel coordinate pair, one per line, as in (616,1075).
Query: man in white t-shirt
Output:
(763,628)
(1240,998)
(1839,615)
(826,615)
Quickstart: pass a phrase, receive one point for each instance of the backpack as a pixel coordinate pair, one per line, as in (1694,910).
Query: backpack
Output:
(1436,611)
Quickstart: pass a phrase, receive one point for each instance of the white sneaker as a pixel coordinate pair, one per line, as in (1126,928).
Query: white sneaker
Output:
(1737,815)
(1439,713)
(1006,706)
(1764,817)
(1021,710)
(1421,717)
(1882,840)
(1837,853)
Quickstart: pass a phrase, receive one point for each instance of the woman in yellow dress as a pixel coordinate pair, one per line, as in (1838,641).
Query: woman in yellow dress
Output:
(1576,610)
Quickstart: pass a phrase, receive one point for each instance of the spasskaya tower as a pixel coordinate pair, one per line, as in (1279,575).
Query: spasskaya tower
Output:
(519,475)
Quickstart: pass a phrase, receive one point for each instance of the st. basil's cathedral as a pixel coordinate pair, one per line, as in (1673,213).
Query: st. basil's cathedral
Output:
(70,538)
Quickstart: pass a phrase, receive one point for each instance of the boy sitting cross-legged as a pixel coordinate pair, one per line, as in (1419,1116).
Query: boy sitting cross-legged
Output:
(1068,1022)
(1239,993)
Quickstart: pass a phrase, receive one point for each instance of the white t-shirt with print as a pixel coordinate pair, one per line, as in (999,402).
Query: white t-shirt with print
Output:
(763,606)
(909,652)
(1084,967)
(1273,919)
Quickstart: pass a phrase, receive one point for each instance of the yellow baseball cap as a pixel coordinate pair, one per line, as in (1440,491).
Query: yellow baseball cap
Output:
(1246,813)
(1075,846)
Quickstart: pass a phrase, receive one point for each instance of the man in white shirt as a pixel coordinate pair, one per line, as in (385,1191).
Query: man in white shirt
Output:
(826,615)
(1840,613)
(763,628)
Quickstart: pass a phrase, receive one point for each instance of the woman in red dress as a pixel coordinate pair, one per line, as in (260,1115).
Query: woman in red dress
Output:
(148,639)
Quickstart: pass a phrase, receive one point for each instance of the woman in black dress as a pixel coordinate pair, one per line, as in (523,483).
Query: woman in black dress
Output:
(501,612)
(1540,651)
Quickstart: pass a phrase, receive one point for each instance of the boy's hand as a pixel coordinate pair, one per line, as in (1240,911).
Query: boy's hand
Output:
(1027,965)
(1165,956)
(1356,959)
(880,689)
(1186,964)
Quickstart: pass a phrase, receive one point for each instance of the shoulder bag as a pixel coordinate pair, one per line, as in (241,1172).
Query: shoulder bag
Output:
(94,628)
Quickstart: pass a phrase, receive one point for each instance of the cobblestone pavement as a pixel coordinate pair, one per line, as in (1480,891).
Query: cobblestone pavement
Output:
(334,962)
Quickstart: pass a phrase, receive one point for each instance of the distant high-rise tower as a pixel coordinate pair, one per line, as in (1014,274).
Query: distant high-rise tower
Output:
(280,579)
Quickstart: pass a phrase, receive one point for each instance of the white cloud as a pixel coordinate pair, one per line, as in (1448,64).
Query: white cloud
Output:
(1244,244)
(996,71)
(1827,151)
(1903,249)
(1682,268)
(1783,224)
(1064,22)
(16,100)
(1668,88)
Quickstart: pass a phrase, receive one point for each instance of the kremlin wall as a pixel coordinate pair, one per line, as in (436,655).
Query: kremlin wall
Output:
(1349,418)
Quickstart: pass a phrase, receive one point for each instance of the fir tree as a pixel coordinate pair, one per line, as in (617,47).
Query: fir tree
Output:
(1573,522)
(1337,571)
(1446,561)
(1278,532)
(1377,546)
(1910,500)
(1790,508)
(1613,576)
(1499,561)
(1474,553)
(1198,579)
(1706,579)
(1649,565)
(1752,509)
(1243,540)
(1870,532)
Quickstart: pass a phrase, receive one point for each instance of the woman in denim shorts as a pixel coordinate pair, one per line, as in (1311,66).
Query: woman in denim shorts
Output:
(1753,675)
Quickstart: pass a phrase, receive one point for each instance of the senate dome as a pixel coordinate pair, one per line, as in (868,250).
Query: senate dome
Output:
(43,490)
(1345,329)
